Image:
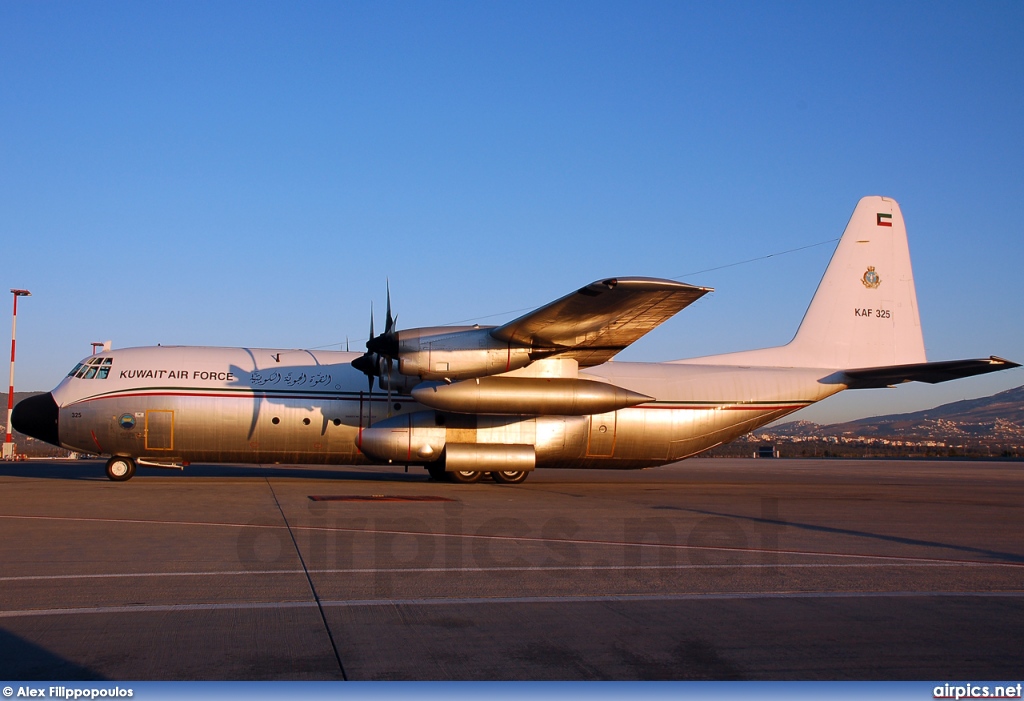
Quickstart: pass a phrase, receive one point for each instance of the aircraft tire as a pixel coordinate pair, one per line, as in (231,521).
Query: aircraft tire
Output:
(120,469)
(437,473)
(510,476)
(465,477)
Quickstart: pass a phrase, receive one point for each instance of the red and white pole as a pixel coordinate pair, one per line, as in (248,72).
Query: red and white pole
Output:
(8,452)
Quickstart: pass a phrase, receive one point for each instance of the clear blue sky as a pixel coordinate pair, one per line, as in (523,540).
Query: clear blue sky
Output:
(249,173)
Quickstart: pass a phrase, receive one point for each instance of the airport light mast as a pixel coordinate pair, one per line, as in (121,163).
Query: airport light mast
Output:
(8,452)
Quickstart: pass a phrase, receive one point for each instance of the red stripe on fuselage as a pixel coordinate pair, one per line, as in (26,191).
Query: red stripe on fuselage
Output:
(362,397)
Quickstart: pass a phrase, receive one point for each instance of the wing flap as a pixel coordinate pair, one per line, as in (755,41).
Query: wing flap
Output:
(595,322)
(932,373)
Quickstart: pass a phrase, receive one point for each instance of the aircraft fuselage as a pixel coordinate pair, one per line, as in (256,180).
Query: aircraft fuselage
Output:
(188,404)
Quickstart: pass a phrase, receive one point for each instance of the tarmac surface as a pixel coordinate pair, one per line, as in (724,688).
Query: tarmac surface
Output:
(706,569)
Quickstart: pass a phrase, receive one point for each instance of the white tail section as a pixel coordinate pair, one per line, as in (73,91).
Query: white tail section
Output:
(864,313)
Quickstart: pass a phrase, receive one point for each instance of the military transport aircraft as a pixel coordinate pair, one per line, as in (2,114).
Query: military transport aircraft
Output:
(539,391)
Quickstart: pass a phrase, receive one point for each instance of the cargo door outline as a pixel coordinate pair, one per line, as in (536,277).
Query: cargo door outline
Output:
(601,444)
(159,429)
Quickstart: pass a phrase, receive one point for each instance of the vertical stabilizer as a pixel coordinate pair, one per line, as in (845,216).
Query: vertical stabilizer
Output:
(864,312)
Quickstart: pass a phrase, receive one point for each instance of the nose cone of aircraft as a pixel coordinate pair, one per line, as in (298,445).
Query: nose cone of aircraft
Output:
(37,417)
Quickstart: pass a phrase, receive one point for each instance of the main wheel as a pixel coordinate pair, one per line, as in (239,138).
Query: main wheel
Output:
(510,476)
(120,469)
(465,477)
(437,473)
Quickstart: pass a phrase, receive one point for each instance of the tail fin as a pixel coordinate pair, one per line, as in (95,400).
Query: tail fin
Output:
(864,313)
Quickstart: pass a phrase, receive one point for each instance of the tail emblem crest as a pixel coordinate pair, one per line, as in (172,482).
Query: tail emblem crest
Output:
(871,279)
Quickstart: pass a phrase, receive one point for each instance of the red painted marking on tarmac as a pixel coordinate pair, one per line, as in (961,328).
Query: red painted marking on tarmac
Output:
(376,497)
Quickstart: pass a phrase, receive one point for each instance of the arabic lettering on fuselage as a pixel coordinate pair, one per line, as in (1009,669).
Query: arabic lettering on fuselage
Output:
(290,379)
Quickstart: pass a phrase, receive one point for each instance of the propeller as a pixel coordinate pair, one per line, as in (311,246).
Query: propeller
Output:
(386,345)
(367,362)
(379,358)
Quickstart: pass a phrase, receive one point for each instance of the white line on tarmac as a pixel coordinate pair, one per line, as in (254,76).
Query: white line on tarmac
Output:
(243,605)
(521,539)
(454,570)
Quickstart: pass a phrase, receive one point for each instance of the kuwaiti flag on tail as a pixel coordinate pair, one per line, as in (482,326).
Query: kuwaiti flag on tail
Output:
(884,219)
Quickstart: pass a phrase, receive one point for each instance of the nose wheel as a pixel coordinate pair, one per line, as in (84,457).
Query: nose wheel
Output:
(120,469)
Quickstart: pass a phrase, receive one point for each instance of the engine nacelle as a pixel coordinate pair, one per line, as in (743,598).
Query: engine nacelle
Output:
(394,380)
(409,438)
(456,353)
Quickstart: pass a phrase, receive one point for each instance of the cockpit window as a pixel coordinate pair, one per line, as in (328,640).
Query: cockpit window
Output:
(98,368)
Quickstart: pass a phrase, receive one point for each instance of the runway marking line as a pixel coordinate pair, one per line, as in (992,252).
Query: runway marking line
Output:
(510,538)
(463,601)
(480,570)
(539,568)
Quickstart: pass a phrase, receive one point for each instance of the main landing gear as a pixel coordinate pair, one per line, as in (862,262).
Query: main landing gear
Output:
(437,473)
(510,476)
(120,468)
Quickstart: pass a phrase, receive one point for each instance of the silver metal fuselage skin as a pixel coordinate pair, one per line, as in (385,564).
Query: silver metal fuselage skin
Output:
(237,405)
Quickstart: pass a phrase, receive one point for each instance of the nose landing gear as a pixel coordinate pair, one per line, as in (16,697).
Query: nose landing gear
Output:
(120,468)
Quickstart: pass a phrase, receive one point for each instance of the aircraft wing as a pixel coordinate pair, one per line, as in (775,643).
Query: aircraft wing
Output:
(932,373)
(595,322)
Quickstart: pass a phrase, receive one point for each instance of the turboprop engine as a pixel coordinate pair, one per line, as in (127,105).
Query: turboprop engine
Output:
(436,353)
(450,352)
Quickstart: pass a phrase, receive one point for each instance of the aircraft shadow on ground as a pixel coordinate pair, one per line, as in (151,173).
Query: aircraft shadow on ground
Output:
(24,660)
(980,552)
(93,470)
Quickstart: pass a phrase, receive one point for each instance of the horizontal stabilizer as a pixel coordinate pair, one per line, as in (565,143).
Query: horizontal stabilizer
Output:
(932,373)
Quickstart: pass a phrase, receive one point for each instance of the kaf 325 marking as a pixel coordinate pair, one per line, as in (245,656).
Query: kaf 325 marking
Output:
(873,313)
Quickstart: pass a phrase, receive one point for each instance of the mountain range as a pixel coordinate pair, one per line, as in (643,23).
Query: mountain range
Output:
(998,418)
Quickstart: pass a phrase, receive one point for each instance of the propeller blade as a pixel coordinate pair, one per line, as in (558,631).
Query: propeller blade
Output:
(389,385)
(368,362)
(389,325)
